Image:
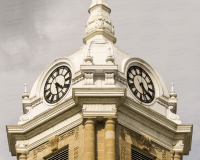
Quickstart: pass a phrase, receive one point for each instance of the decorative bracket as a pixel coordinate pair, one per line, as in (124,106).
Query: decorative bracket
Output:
(54,142)
(89,78)
(146,142)
(173,117)
(109,78)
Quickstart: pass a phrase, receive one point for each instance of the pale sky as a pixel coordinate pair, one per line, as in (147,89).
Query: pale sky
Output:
(164,33)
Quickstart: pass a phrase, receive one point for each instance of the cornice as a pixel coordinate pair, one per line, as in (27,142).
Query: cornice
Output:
(103,6)
(151,114)
(102,32)
(99,69)
(176,132)
(86,94)
(31,128)
(57,130)
(157,140)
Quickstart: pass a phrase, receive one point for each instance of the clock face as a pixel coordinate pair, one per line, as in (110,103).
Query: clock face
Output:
(140,84)
(57,84)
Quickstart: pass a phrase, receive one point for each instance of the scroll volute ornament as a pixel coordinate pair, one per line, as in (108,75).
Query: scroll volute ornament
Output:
(54,142)
(146,142)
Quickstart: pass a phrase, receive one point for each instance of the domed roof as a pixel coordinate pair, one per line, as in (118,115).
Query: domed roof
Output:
(98,57)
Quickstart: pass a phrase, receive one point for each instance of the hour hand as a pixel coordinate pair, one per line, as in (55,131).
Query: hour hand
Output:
(56,87)
(147,92)
(60,86)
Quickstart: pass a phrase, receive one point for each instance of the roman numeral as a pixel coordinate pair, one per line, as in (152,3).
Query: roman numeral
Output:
(131,73)
(131,79)
(46,90)
(131,85)
(57,71)
(66,73)
(140,72)
(149,95)
(52,98)
(66,85)
(145,98)
(67,78)
(135,92)
(140,96)
(53,76)
(48,95)
(151,90)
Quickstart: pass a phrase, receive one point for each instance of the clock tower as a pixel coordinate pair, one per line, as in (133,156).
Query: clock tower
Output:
(99,103)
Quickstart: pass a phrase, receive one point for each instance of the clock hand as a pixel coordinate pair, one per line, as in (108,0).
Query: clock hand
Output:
(56,87)
(147,92)
(60,86)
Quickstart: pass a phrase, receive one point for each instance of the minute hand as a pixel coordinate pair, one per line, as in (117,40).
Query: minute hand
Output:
(146,92)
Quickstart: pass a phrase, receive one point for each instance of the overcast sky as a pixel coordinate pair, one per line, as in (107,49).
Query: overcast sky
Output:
(164,33)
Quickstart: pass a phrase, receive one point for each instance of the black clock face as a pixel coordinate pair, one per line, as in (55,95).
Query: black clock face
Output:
(57,84)
(140,84)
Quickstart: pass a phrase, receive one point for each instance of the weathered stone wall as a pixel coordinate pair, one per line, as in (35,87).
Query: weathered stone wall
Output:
(126,139)
(73,138)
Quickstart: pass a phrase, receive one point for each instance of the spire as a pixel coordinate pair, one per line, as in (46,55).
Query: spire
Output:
(172,93)
(25,95)
(99,25)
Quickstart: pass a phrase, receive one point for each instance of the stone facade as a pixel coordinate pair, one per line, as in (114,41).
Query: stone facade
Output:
(99,103)
(72,139)
(78,141)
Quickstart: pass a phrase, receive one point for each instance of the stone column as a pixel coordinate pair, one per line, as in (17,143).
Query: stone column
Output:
(110,139)
(23,156)
(178,155)
(89,140)
(172,155)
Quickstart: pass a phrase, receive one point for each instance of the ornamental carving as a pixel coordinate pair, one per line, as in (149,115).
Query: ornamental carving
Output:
(143,140)
(76,153)
(76,133)
(72,132)
(99,21)
(109,78)
(123,155)
(159,149)
(54,142)
(40,149)
(146,142)
(126,131)
(89,78)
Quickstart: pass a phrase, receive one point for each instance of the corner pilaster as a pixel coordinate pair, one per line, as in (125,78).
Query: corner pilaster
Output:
(178,155)
(110,139)
(23,156)
(89,139)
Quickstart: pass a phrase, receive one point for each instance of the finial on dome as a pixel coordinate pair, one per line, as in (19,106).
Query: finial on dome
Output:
(25,95)
(99,25)
(25,88)
(172,93)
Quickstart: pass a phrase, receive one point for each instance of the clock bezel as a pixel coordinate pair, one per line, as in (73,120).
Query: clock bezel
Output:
(152,79)
(47,77)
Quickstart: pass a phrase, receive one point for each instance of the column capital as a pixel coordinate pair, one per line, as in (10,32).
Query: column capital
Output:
(89,120)
(23,156)
(178,155)
(110,121)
